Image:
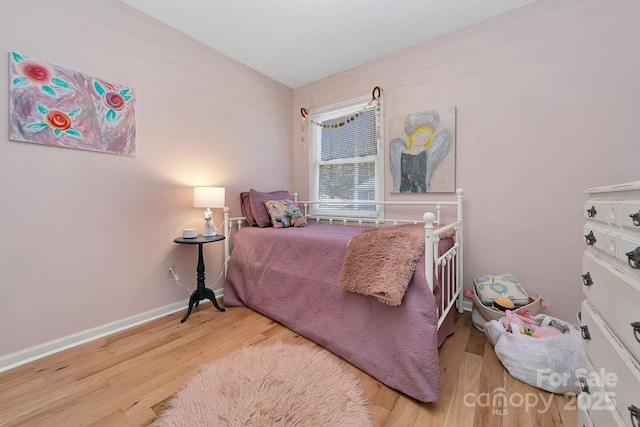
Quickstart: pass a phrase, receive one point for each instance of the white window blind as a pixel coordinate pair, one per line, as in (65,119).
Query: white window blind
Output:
(345,158)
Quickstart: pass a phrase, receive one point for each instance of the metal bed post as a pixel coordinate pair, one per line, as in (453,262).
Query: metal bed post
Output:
(226,239)
(460,265)
(429,218)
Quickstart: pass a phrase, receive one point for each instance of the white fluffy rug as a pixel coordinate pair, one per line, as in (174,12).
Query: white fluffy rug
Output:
(270,385)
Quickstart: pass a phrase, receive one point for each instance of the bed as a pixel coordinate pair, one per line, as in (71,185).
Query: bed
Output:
(293,276)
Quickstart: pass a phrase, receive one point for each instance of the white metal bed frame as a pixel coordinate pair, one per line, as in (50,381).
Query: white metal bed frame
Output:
(450,287)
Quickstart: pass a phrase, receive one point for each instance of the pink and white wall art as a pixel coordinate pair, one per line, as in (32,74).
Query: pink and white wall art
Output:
(51,105)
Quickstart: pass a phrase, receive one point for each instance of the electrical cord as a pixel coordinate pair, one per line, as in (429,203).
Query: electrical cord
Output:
(217,280)
(177,278)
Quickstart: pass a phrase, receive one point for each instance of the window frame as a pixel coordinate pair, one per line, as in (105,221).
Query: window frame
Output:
(333,111)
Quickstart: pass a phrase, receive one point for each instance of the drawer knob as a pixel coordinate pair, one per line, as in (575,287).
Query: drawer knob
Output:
(636,330)
(584,331)
(584,387)
(586,279)
(634,258)
(592,212)
(636,218)
(590,238)
(635,415)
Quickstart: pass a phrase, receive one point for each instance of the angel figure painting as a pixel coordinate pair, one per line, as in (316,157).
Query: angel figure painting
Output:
(422,151)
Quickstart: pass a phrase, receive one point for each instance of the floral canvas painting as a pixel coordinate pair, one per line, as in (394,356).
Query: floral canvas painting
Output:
(51,105)
(422,151)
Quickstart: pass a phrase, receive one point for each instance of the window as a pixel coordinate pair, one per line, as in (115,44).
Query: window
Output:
(346,158)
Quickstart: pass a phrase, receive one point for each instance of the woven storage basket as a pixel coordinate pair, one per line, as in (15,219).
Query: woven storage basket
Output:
(481,314)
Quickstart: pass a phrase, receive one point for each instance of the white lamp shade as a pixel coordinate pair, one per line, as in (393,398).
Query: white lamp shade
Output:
(208,197)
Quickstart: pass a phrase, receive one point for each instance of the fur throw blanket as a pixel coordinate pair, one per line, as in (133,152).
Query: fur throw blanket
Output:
(380,262)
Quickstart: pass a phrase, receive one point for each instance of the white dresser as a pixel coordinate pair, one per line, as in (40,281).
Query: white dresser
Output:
(610,314)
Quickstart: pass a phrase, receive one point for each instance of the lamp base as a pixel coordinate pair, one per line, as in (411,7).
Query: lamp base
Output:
(209,226)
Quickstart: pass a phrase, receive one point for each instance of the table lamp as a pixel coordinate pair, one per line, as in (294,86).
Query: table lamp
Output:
(208,197)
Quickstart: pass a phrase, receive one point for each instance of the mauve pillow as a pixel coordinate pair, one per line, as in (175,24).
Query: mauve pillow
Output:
(245,207)
(259,211)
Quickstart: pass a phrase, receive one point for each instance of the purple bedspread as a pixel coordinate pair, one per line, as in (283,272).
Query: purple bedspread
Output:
(292,276)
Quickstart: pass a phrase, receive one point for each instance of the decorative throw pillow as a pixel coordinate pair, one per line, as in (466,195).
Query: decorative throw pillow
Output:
(245,207)
(258,210)
(284,213)
(490,286)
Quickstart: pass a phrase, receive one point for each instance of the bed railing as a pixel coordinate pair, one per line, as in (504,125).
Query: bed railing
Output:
(448,267)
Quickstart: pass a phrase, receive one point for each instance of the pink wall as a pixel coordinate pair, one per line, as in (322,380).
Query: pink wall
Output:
(86,236)
(547,104)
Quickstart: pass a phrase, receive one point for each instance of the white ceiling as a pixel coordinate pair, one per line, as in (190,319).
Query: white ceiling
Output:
(297,42)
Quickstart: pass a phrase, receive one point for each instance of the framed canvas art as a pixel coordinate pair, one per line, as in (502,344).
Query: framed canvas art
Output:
(422,151)
(51,105)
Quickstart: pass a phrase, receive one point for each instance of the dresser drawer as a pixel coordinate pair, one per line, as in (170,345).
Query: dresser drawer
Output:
(595,405)
(630,214)
(616,297)
(595,236)
(596,210)
(618,370)
(629,243)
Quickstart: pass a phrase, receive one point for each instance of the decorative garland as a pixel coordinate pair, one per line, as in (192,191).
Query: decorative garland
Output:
(376,96)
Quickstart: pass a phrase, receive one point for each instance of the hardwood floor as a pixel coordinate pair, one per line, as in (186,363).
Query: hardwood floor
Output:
(124,379)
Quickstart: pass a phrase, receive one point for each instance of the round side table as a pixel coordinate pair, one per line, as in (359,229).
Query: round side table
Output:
(201,291)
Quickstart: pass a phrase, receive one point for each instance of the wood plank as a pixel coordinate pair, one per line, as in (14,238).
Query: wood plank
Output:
(567,408)
(517,410)
(492,382)
(451,353)
(466,385)
(404,412)
(434,414)
(476,341)
(381,403)
(546,412)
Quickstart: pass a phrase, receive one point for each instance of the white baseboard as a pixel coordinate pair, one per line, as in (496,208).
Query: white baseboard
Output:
(467,304)
(39,351)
